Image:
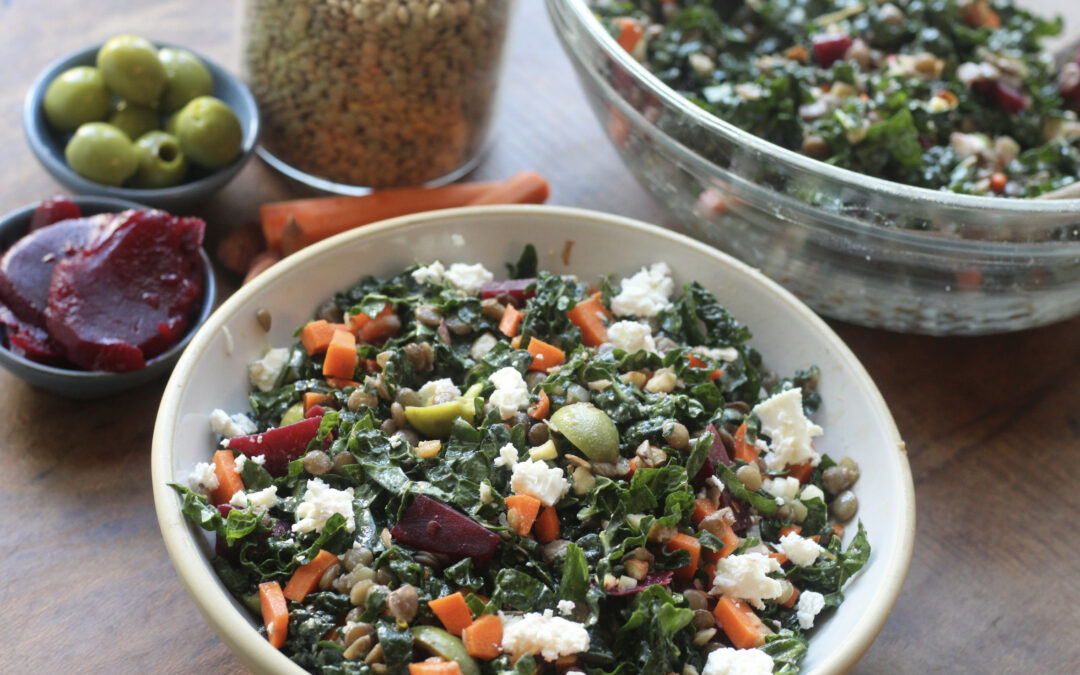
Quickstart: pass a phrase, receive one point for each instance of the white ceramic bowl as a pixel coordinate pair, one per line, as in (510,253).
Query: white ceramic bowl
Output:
(212,374)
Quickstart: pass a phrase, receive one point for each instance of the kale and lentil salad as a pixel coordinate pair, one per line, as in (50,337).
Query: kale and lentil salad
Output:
(945,94)
(451,474)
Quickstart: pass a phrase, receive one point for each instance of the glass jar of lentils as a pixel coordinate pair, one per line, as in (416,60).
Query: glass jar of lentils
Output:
(361,94)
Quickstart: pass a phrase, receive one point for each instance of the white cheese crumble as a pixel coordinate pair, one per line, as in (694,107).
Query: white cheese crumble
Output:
(444,388)
(811,492)
(202,478)
(645,293)
(258,459)
(790,432)
(728,661)
(631,336)
(263,500)
(511,393)
(746,577)
(239,462)
(810,604)
(485,492)
(264,372)
(799,550)
(231,426)
(468,278)
(508,456)
(239,500)
(784,487)
(430,273)
(719,353)
(320,503)
(544,634)
(537,479)
(566,607)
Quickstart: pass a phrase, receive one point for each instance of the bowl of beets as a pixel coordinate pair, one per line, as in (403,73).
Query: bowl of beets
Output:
(99,295)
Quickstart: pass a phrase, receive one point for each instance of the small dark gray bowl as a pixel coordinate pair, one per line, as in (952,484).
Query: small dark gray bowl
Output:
(48,144)
(91,384)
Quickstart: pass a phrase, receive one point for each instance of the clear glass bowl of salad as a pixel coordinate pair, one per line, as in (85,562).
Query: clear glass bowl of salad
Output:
(853,246)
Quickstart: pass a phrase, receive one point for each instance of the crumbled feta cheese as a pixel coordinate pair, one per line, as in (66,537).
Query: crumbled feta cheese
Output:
(320,503)
(508,456)
(485,492)
(566,607)
(258,459)
(785,423)
(811,492)
(468,278)
(264,372)
(645,293)
(544,634)
(511,393)
(799,550)
(631,336)
(230,427)
(701,63)
(537,479)
(202,478)
(239,499)
(263,500)
(444,388)
(810,605)
(483,344)
(746,577)
(784,487)
(432,273)
(719,353)
(240,461)
(728,661)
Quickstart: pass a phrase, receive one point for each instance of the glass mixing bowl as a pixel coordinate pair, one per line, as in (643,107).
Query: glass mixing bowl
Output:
(855,248)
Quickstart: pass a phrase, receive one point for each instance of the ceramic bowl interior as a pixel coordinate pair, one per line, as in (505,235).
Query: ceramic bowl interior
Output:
(86,384)
(48,144)
(212,374)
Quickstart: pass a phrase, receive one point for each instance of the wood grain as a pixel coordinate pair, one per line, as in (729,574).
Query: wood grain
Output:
(992,424)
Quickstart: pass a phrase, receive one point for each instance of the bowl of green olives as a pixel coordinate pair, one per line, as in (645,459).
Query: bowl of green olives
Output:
(152,123)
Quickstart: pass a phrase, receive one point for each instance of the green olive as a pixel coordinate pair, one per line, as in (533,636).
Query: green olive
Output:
(293,414)
(209,132)
(75,97)
(589,429)
(161,163)
(102,153)
(131,69)
(436,420)
(135,120)
(185,78)
(438,642)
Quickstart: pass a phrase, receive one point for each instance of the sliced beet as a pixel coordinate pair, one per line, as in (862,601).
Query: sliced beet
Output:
(432,526)
(128,296)
(29,342)
(280,446)
(831,47)
(26,269)
(515,288)
(651,579)
(717,455)
(53,211)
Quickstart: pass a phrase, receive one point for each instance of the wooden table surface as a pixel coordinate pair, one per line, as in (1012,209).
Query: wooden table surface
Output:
(992,424)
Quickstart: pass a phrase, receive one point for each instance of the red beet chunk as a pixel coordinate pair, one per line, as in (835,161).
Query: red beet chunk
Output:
(432,526)
(717,455)
(53,211)
(26,269)
(1009,98)
(29,342)
(280,446)
(651,579)
(830,48)
(1069,80)
(129,295)
(515,288)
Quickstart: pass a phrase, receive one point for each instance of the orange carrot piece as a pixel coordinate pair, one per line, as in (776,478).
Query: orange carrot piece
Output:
(340,360)
(341,383)
(526,507)
(511,321)
(980,15)
(790,602)
(686,543)
(312,398)
(837,530)
(788,529)
(630,32)
(359,320)
(483,639)
(306,577)
(742,626)
(229,481)
(323,217)
(744,450)
(435,668)
(592,318)
(524,187)
(540,409)
(453,612)
(801,471)
(381,328)
(316,336)
(731,542)
(546,527)
(633,468)
(544,355)
(275,613)
(779,557)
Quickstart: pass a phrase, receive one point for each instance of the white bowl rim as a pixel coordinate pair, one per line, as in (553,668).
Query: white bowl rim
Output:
(235,629)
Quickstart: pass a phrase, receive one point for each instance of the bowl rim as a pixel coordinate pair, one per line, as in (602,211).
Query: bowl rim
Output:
(206,306)
(236,630)
(37,137)
(891,189)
